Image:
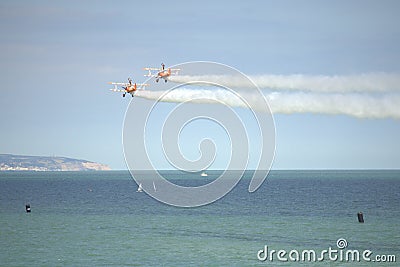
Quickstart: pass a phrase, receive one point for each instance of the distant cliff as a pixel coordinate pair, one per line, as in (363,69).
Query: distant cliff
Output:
(10,162)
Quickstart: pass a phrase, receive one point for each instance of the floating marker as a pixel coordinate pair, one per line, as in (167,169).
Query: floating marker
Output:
(360,217)
(28,208)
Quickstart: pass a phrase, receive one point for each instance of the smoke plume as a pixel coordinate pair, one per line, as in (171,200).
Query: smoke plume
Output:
(373,95)
(372,82)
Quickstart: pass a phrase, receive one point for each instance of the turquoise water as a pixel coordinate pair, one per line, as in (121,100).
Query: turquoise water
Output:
(97,219)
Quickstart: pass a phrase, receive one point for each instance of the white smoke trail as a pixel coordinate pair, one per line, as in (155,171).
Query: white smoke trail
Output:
(372,82)
(357,105)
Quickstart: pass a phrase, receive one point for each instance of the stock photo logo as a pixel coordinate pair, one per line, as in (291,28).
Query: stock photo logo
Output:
(157,127)
(340,253)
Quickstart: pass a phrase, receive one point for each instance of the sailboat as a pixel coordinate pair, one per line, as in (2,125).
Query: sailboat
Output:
(140,188)
(154,186)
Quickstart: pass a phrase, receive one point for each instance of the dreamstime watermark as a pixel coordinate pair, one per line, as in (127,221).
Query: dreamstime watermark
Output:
(142,136)
(340,254)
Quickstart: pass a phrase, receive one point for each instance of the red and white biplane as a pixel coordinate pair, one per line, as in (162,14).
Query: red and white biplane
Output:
(128,87)
(161,72)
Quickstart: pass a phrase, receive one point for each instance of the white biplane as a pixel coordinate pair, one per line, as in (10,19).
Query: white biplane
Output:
(161,72)
(128,87)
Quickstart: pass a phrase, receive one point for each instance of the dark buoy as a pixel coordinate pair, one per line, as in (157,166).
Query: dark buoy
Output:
(28,208)
(360,217)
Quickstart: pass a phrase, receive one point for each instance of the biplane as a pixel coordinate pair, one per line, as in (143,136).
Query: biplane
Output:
(128,87)
(161,73)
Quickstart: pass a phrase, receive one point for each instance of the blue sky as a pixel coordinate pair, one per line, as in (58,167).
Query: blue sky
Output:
(56,58)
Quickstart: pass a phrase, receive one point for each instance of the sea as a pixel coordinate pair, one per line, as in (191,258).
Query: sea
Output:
(98,219)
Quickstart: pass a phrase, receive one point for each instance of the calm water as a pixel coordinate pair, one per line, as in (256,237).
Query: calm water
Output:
(97,219)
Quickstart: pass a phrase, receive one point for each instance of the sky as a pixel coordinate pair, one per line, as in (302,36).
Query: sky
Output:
(57,57)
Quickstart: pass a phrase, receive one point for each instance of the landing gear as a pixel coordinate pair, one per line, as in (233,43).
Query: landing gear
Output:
(157,80)
(165,80)
(123,95)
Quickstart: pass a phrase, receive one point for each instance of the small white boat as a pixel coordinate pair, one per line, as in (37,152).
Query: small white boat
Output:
(203,174)
(140,188)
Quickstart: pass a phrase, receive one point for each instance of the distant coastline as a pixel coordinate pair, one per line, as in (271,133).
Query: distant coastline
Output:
(10,162)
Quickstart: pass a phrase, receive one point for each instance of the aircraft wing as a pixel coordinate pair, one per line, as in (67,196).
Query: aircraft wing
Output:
(117,90)
(151,72)
(142,86)
(175,71)
(122,84)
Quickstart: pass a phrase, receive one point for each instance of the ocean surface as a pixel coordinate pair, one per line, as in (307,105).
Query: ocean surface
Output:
(98,219)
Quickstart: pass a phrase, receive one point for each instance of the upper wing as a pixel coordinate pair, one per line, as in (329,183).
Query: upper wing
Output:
(141,86)
(151,72)
(117,90)
(122,84)
(174,71)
